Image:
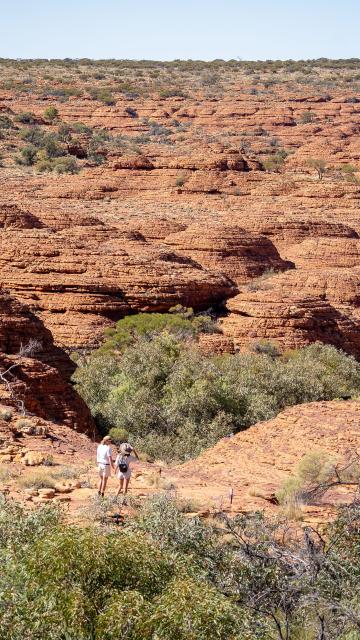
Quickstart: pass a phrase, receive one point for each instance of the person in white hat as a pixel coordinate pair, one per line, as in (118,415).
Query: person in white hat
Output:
(105,463)
(123,465)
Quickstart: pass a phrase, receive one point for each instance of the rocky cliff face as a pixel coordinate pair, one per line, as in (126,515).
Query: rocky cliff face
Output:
(255,463)
(183,211)
(39,378)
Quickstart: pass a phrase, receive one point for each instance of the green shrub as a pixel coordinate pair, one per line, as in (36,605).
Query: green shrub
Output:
(103,95)
(66,165)
(307,117)
(118,435)
(174,401)
(27,156)
(51,114)
(34,135)
(130,328)
(27,117)
(274,163)
(6,123)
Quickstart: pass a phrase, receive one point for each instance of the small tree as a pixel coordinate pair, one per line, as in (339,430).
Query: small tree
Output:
(51,114)
(307,117)
(274,163)
(319,165)
(27,156)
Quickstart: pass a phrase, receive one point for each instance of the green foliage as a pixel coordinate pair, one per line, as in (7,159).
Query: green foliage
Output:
(307,117)
(173,401)
(5,122)
(66,165)
(27,156)
(60,581)
(118,435)
(274,162)
(130,328)
(27,117)
(51,114)
(319,165)
(103,94)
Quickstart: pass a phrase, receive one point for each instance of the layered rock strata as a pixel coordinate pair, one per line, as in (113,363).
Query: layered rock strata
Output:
(38,372)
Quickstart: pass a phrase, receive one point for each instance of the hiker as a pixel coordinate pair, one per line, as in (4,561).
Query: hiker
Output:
(122,465)
(105,463)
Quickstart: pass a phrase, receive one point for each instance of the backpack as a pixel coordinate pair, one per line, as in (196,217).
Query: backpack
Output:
(123,465)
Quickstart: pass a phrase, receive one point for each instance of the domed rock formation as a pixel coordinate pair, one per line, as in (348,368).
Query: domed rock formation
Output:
(284,232)
(294,310)
(40,375)
(12,216)
(100,273)
(326,252)
(156,229)
(238,253)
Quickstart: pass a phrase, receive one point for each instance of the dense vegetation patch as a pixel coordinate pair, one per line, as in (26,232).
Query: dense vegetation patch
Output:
(151,380)
(167,577)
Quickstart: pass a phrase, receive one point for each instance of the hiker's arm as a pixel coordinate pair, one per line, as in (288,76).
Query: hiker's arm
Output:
(111,461)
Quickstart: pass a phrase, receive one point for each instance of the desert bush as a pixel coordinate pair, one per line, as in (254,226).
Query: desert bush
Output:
(27,117)
(307,117)
(6,413)
(103,94)
(37,480)
(274,163)
(69,582)
(319,165)
(34,135)
(27,156)
(51,114)
(180,181)
(66,165)
(179,321)
(6,122)
(118,435)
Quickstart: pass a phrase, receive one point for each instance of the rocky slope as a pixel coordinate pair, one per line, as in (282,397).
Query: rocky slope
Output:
(36,373)
(256,462)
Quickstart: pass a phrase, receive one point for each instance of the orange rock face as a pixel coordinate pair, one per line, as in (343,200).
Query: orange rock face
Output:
(182,210)
(82,279)
(241,255)
(297,308)
(255,462)
(40,378)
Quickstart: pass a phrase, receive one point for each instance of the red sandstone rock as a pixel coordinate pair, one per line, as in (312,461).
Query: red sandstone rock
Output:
(257,461)
(294,309)
(101,272)
(41,378)
(240,254)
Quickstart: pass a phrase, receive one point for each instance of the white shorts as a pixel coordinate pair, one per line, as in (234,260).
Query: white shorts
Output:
(124,476)
(104,470)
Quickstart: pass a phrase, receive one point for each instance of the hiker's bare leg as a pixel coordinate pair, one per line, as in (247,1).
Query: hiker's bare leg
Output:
(121,482)
(127,480)
(104,483)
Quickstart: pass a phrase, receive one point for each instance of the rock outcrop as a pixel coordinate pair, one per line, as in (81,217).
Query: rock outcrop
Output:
(297,308)
(240,254)
(81,279)
(39,378)
(255,462)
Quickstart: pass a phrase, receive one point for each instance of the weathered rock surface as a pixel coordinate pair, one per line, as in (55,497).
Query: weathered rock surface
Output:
(297,308)
(255,462)
(82,279)
(85,249)
(240,254)
(40,374)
